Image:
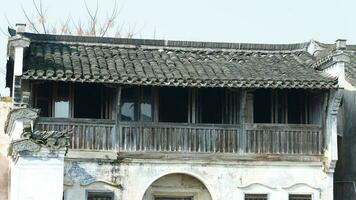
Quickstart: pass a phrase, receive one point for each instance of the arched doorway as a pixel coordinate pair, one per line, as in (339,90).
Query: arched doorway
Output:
(177,187)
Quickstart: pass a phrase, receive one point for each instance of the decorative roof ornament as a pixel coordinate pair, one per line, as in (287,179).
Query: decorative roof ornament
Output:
(33,142)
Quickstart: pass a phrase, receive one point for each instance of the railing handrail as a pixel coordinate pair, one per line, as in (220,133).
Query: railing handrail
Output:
(246,138)
(76,121)
(282,126)
(176,124)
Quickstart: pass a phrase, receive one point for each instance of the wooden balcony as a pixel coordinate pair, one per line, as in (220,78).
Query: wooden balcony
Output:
(268,139)
(87,134)
(178,137)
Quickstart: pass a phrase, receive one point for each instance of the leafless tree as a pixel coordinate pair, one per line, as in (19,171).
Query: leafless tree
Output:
(92,25)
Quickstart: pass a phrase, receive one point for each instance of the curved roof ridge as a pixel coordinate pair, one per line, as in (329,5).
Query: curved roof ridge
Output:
(35,37)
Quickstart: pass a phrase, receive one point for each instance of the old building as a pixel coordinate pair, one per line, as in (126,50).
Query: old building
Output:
(339,60)
(133,119)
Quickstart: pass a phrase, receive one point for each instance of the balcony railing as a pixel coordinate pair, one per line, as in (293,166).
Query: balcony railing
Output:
(91,134)
(190,138)
(177,137)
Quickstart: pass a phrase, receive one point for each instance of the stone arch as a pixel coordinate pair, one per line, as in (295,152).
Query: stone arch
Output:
(171,178)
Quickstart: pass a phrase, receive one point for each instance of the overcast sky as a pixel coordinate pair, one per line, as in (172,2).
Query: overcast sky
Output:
(257,21)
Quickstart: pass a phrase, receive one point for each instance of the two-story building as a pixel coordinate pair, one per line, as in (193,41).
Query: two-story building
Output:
(131,119)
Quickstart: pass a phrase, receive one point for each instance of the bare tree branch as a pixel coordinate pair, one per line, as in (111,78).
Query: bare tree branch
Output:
(110,20)
(41,14)
(119,29)
(79,28)
(65,29)
(132,32)
(94,26)
(93,18)
(32,25)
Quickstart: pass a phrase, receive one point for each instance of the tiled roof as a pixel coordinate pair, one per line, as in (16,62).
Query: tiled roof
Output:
(328,50)
(171,63)
(350,68)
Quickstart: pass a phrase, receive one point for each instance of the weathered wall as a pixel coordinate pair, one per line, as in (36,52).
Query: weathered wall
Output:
(346,165)
(223,180)
(177,185)
(82,177)
(5,103)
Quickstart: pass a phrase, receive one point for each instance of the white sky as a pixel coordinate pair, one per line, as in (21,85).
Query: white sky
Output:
(257,21)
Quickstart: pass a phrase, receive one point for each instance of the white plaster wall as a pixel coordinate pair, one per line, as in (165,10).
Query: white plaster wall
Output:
(89,176)
(78,192)
(232,181)
(34,178)
(223,180)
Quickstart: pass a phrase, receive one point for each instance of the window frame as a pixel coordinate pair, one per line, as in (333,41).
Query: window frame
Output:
(310,194)
(109,192)
(261,193)
(281,112)
(174,197)
(137,100)
(55,98)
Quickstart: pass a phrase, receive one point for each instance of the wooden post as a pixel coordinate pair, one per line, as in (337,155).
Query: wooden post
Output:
(194,94)
(155,104)
(117,136)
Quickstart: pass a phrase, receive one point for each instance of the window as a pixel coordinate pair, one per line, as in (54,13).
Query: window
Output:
(262,106)
(61,100)
(92,101)
(80,100)
(287,106)
(87,101)
(300,197)
(43,99)
(173,198)
(173,104)
(255,196)
(136,104)
(100,196)
(217,106)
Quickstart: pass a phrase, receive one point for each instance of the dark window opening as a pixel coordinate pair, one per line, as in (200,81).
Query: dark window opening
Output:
(255,196)
(287,106)
(300,197)
(211,106)
(87,101)
(297,107)
(217,106)
(100,196)
(173,105)
(136,104)
(43,98)
(262,106)
(93,101)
